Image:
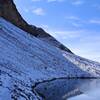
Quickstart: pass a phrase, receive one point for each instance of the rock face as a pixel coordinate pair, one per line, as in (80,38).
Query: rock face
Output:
(9,12)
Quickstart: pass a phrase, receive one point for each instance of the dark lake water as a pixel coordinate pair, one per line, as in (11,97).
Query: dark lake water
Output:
(70,89)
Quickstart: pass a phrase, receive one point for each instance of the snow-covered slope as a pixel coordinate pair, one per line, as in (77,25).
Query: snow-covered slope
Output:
(84,64)
(26,60)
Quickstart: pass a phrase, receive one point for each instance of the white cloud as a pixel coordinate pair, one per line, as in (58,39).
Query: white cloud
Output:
(72,18)
(95,21)
(55,0)
(75,24)
(66,33)
(36,0)
(77,2)
(48,0)
(74,21)
(39,11)
(81,42)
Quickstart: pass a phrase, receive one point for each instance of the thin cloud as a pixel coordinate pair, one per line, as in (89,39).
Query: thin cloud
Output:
(72,18)
(35,0)
(55,0)
(76,24)
(81,42)
(39,11)
(77,2)
(66,33)
(49,1)
(74,21)
(95,21)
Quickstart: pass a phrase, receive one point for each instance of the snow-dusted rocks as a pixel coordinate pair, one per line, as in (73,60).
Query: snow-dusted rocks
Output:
(26,60)
(84,64)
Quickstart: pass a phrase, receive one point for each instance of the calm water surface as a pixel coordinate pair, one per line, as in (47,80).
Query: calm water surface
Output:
(70,89)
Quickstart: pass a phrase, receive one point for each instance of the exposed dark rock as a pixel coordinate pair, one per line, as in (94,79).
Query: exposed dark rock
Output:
(9,12)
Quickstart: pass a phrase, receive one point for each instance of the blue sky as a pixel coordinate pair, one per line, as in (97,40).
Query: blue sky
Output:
(75,23)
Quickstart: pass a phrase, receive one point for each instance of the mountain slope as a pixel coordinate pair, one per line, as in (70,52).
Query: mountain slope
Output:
(9,12)
(30,56)
(26,60)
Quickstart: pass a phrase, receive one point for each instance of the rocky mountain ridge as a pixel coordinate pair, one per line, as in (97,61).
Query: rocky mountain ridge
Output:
(9,12)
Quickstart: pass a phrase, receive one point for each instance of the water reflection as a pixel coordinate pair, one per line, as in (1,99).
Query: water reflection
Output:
(91,91)
(70,89)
